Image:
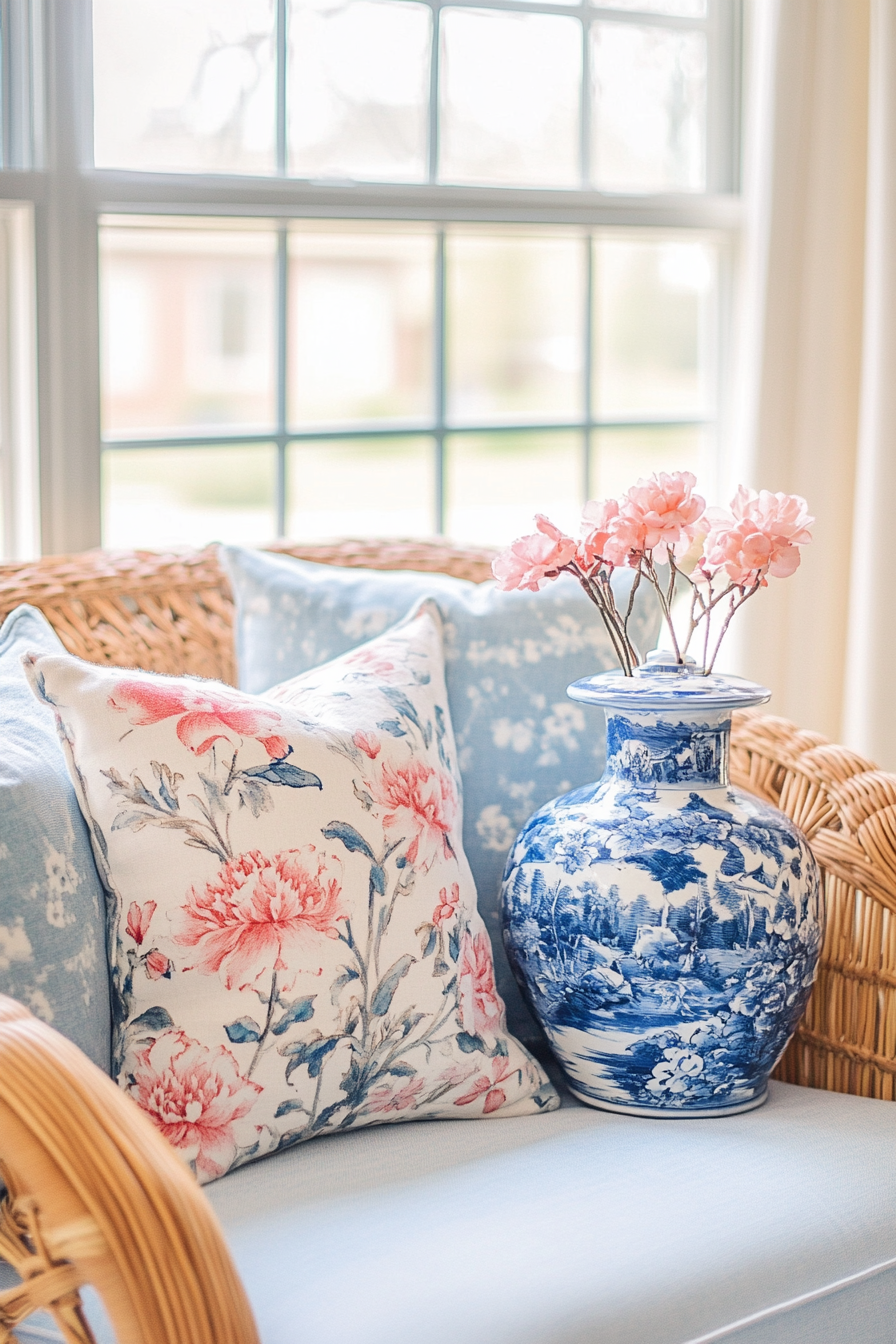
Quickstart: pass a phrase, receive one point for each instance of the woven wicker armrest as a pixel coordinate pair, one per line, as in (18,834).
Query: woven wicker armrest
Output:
(96,1196)
(846,1042)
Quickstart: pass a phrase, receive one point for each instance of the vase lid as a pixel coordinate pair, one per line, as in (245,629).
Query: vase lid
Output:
(662,683)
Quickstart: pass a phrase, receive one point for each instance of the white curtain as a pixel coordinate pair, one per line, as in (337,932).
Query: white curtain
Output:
(870,707)
(807,174)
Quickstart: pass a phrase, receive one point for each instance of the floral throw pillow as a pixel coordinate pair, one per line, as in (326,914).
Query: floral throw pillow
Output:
(298,945)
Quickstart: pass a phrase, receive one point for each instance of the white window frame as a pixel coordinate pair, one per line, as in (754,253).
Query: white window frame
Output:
(48,169)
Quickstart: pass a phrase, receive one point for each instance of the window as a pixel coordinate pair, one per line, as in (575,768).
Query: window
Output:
(384,267)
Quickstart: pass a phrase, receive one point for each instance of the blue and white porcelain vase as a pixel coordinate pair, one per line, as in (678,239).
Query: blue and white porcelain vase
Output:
(664,925)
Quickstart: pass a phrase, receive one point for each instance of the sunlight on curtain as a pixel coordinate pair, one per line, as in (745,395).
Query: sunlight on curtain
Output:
(869,711)
(805,284)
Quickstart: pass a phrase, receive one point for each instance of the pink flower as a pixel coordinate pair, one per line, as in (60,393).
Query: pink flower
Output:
(598,543)
(761,536)
(420,802)
(157,965)
(368,743)
(494,1100)
(667,510)
(626,538)
(495,1096)
(534,558)
(383,1098)
(276,747)
(481,1007)
(447,906)
(204,716)
(139,919)
(613,533)
(197,1098)
(455,1074)
(258,911)
(374,662)
(660,515)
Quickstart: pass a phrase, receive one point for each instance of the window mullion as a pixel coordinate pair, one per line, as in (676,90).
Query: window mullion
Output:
(281,288)
(18,74)
(585,106)
(439,379)
(723,97)
(282,307)
(67,294)
(585,157)
(281,59)
(119,193)
(432,167)
(588,365)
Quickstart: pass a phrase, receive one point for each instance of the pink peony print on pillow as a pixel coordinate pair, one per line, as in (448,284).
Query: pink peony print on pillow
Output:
(295,936)
(197,1098)
(247,921)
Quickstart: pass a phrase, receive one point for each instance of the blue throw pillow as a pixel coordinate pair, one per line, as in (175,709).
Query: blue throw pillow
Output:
(52,906)
(509,658)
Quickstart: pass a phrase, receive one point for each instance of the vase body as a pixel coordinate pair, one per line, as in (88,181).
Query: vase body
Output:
(664,925)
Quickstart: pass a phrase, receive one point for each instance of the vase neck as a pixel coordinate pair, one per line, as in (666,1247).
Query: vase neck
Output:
(666,751)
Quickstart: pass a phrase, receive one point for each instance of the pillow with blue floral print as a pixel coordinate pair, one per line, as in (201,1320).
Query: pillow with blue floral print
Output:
(52,905)
(297,947)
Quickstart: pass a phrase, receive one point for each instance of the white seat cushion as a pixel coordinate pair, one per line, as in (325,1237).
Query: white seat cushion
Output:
(774,1227)
(578,1226)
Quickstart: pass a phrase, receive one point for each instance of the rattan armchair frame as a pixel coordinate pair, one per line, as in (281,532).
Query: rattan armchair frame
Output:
(96,1195)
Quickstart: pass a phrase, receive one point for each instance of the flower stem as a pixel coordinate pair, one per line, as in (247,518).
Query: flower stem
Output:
(267,1026)
(606,605)
(707,613)
(693,619)
(735,604)
(631,606)
(667,614)
(600,589)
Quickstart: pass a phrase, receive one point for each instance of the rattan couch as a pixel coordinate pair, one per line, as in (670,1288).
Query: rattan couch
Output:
(96,1195)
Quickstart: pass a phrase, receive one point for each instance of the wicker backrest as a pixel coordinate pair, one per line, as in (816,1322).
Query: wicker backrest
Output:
(174,613)
(847,1040)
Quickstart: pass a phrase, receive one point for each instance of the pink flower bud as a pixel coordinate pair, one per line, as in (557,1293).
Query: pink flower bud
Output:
(447,905)
(368,743)
(157,965)
(139,919)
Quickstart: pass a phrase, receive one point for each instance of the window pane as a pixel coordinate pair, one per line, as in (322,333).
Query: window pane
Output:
(359,89)
(619,457)
(510,98)
(187,326)
(360,324)
(184,84)
(648,108)
(652,327)
(361,488)
(159,497)
(495,483)
(515,323)
(688,9)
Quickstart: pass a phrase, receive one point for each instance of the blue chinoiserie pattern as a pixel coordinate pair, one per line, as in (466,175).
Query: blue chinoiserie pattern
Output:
(664,925)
